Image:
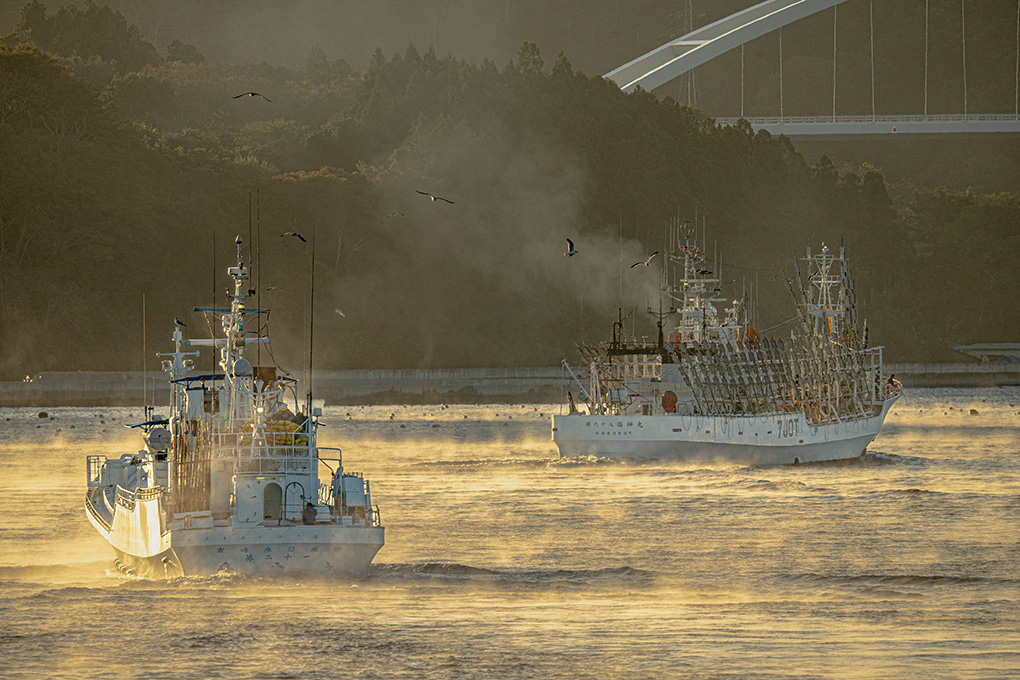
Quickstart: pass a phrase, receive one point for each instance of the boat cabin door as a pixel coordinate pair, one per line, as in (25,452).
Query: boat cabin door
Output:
(272,502)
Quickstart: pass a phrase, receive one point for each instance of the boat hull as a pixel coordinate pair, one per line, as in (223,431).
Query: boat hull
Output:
(745,440)
(145,549)
(320,549)
(316,550)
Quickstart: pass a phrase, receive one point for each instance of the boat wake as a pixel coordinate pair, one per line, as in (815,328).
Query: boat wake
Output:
(901,580)
(72,571)
(438,572)
(876,458)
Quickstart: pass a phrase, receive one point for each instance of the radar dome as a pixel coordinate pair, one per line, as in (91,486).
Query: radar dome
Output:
(158,439)
(242,367)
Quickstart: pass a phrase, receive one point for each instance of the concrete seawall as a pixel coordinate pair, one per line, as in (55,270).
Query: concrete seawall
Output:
(988,374)
(466,385)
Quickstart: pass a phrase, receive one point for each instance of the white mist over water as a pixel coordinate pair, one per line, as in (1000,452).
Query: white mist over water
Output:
(504,561)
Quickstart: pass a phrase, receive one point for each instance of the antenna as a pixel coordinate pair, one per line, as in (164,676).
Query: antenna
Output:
(661,316)
(704,235)
(249,225)
(757,302)
(145,397)
(258,277)
(212,327)
(311,324)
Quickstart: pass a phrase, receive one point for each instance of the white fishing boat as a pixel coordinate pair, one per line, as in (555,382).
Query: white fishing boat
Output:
(230,481)
(715,390)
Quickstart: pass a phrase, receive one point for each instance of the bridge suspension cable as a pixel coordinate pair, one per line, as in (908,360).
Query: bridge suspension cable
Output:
(835,8)
(871,22)
(681,55)
(963,45)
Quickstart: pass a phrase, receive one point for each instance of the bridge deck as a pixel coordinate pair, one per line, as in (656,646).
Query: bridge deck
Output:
(822,126)
(688,51)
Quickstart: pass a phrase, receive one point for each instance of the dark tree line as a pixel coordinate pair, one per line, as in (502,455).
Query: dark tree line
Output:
(126,175)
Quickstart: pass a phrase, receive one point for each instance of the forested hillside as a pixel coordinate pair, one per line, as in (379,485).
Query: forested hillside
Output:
(126,175)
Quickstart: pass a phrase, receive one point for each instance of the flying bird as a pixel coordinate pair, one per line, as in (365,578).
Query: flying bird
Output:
(337,310)
(396,214)
(179,322)
(646,262)
(251,94)
(294,234)
(434,198)
(570,249)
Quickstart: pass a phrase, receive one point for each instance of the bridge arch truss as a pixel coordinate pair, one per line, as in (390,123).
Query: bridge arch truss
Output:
(701,45)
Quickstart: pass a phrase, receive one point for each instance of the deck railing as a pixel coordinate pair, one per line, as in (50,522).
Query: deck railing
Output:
(274,445)
(95,514)
(94,470)
(124,499)
(373,517)
(148,494)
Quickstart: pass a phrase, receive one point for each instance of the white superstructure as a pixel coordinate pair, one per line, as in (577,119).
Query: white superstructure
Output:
(231,480)
(714,390)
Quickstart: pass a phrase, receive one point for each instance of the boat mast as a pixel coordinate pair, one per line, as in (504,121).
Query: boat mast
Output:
(235,367)
(824,302)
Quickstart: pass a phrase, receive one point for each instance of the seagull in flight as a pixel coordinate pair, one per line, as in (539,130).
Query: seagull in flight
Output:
(434,198)
(646,262)
(294,234)
(570,249)
(252,94)
(400,214)
(337,310)
(179,322)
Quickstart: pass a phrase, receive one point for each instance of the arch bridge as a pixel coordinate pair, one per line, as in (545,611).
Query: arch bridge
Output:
(683,54)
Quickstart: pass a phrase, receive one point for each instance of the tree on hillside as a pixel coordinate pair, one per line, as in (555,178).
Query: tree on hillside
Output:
(37,91)
(184,53)
(529,154)
(95,30)
(142,97)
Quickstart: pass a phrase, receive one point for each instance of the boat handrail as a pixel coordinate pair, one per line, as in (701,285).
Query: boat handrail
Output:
(147,494)
(124,498)
(255,453)
(95,513)
(296,439)
(94,466)
(267,465)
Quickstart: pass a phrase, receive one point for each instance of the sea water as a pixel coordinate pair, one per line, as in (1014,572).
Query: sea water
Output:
(504,561)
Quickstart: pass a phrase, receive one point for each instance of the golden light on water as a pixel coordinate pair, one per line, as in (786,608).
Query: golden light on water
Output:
(504,560)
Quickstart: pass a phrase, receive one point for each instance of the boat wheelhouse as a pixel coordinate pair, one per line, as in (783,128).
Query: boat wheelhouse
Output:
(715,390)
(233,479)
